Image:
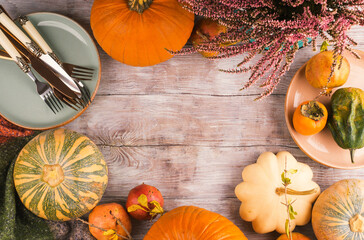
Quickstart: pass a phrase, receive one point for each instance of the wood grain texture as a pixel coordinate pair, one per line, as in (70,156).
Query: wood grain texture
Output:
(183,126)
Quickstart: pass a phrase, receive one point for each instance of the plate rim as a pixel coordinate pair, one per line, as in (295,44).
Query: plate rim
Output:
(96,87)
(292,136)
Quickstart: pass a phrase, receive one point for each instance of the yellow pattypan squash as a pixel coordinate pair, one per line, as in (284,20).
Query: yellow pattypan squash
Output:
(262,192)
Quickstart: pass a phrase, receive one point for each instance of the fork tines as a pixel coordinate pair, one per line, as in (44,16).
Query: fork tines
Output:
(52,102)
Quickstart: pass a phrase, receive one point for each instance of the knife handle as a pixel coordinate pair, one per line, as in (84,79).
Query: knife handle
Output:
(5,55)
(14,54)
(18,33)
(34,34)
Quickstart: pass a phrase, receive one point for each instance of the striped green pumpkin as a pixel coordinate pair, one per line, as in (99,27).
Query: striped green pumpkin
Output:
(60,175)
(338,213)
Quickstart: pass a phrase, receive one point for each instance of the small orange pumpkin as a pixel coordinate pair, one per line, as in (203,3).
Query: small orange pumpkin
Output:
(189,222)
(138,32)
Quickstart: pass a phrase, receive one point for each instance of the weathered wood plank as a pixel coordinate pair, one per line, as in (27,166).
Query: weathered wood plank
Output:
(195,171)
(185,120)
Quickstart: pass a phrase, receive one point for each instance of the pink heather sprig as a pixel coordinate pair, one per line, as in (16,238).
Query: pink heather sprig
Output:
(270,30)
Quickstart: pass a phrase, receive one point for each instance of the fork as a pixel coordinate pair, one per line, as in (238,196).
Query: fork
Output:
(44,90)
(46,93)
(72,103)
(78,72)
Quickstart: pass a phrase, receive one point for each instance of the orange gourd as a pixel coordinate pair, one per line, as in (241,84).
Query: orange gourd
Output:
(138,32)
(189,222)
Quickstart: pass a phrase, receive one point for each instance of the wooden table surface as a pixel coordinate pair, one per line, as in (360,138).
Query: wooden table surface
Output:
(183,126)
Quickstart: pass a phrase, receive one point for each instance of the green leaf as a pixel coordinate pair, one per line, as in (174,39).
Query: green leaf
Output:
(143,200)
(292,171)
(324,46)
(111,233)
(286,181)
(157,207)
(135,207)
(292,213)
(287,227)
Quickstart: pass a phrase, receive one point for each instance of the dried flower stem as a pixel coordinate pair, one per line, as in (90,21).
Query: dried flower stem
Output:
(122,225)
(104,230)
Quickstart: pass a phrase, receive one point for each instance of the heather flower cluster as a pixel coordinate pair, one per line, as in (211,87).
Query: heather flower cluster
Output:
(272,29)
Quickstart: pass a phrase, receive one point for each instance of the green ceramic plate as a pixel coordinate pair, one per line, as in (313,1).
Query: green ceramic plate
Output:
(19,101)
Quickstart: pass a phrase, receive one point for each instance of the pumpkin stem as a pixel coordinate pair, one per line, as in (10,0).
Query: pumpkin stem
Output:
(280,191)
(352,152)
(139,5)
(52,174)
(357,223)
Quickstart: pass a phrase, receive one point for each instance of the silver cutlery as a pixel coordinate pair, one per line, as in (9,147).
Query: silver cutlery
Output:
(77,72)
(33,48)
(44,90)
(40,66)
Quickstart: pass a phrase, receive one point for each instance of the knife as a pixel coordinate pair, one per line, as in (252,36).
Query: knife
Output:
(22,63)
(5,55)
(40,67)
(13,53)
(45,57)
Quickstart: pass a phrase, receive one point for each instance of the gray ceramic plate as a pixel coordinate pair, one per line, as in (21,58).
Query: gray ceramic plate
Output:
(19,101)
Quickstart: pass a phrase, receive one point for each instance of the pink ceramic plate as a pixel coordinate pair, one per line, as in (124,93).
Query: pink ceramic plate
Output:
(322,147)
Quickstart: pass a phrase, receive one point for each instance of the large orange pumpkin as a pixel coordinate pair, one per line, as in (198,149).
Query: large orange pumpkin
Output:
(138,32)
(189,223)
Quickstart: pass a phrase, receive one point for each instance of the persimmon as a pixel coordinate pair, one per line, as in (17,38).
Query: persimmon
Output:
(310,117)
(105,216)
(295,236)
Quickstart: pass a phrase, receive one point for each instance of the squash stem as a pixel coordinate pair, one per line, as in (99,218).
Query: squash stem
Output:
(280,191)
(139,5)
(352,152)
(357,223)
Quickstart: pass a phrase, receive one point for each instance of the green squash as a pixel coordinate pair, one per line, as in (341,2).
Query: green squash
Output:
(346,122)
(60,175)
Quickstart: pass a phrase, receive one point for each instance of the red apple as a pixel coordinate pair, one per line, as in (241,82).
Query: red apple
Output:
(144,202)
